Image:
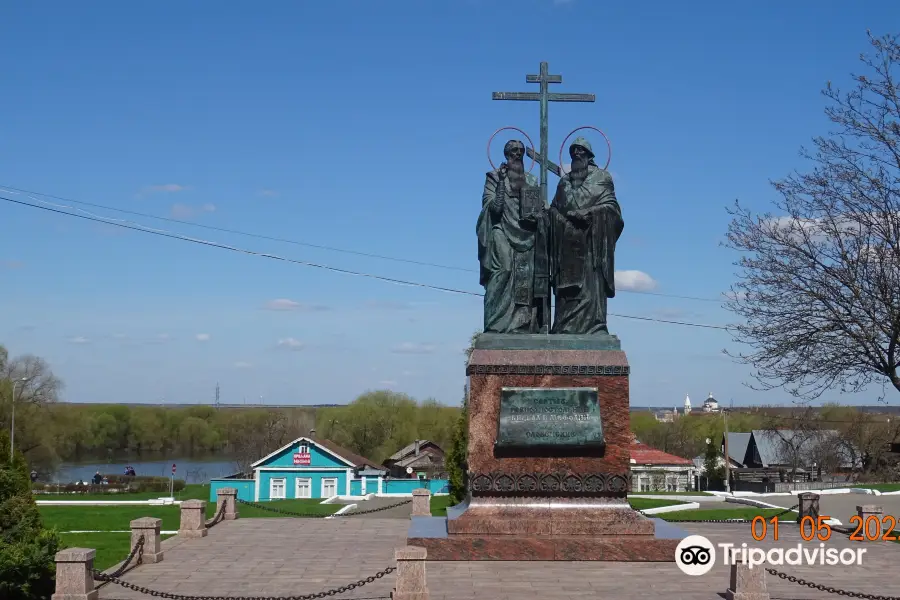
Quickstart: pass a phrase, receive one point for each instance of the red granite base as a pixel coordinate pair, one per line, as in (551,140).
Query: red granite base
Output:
(542,516)
(549,548)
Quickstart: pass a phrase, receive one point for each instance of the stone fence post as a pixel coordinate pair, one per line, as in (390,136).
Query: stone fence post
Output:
(228,497)
(809,506)
(193,519)
(149,528)
(870,510)
(410,583)
(74,575)
(747,583)
(421,503)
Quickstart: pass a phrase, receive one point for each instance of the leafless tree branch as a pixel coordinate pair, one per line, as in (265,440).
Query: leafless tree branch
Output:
(818,289)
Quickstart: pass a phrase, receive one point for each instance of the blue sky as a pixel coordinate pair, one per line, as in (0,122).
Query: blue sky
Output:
(362,126)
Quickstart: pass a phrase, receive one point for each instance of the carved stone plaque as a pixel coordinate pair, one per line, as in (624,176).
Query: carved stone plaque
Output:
(549,418)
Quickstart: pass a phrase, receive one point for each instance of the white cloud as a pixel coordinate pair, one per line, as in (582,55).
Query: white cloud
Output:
(119,336)
(166,188)
(634,281)
(286,304)
(79,340)
(290,343)
(185,211)
(202,337)
(268,193)
(413,348)
(242,365)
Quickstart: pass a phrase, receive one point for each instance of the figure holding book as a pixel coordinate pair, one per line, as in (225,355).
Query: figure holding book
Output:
(512,248)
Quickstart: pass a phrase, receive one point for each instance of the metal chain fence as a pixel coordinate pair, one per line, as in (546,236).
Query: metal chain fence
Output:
(827,588)
(137,551)
(217,518)
(328,593)
(291,513)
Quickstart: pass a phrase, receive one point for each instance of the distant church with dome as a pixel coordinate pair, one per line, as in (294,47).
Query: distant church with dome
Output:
(710,405)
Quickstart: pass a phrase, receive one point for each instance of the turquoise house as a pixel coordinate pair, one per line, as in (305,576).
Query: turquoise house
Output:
(311,467)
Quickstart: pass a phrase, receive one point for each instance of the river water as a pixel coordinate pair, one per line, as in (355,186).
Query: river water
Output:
(191,470)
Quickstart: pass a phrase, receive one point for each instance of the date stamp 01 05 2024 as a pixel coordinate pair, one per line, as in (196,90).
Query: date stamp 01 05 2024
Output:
(871,528)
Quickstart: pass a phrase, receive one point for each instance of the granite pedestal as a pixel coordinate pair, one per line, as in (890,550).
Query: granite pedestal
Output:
(553,502)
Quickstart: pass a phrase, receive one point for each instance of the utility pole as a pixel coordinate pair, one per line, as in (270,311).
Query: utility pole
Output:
(217,395)
(727,458)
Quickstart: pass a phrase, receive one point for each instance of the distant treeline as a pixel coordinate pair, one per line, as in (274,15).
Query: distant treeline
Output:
(375,425)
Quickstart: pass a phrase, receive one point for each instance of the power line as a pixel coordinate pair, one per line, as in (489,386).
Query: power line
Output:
(167,234)
(299,243)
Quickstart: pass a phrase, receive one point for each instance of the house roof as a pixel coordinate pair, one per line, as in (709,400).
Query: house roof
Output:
(767,443)
(737,446)
(410,461)
(641,454)
(411,449)
(337,451)
(356,459)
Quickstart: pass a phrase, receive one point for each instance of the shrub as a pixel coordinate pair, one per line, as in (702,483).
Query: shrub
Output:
(456,458)
(27,550)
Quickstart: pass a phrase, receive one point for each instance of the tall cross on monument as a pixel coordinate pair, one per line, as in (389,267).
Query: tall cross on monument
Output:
(544,97)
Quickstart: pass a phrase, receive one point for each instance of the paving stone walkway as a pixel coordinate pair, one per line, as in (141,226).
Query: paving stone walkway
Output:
(282,557)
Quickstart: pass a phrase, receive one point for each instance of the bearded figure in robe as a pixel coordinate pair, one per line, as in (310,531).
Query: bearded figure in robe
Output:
(512,248)
(585,222)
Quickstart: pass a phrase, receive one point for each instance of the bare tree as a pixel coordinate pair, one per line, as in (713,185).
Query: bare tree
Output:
(794,436)
(818,282)
(259,433)
(35,387)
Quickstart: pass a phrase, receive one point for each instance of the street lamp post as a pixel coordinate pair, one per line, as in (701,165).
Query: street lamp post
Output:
(12,424)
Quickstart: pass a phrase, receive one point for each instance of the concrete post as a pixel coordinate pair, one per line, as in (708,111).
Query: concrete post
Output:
(193,519)
(228,497)
(410,583)
(149,528)
(74,575)
(421,503)
(809,506)
(747,583)
(870,530)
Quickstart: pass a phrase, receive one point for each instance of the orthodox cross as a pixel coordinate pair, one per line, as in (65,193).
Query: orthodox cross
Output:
(545,98)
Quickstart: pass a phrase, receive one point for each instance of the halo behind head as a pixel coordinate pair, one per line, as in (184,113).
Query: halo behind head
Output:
(493,166)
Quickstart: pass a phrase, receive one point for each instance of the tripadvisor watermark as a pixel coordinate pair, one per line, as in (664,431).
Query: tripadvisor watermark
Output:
(696,555)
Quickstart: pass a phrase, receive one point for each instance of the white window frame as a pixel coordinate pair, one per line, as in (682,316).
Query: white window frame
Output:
(303,448)
(272,482)
(297,483)
(326,479)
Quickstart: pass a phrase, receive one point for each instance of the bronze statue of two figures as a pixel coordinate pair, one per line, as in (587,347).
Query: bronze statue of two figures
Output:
(528,251)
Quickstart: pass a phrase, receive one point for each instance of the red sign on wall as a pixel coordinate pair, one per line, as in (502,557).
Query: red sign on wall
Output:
(302,458)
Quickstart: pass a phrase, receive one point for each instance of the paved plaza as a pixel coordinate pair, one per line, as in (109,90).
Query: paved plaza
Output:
(281,557)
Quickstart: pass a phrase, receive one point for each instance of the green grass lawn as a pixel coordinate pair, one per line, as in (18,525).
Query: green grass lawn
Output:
(672,494)
(118,518)
(881,487)
(748,513)
(190,492)
(645,503)
(112,548)
(439,506)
